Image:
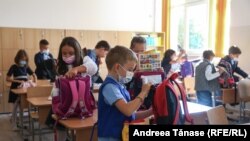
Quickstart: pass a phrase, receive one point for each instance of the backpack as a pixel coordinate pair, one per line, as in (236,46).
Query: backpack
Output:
(137,83)
(187,69)
(73,98)
(166,105)
(226,79)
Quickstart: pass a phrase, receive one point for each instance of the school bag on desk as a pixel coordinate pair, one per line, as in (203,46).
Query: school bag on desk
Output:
(72,97)
(166,105)
(226,79)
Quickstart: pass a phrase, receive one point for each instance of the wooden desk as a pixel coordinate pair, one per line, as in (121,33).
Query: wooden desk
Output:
(82,128)
(228,96)
(198,112)
(43,104)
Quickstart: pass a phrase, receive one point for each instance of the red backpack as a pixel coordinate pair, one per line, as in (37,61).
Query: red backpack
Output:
(73,98)
(166,105)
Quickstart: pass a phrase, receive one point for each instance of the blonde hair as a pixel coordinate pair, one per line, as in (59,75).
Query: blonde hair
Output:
(120,55)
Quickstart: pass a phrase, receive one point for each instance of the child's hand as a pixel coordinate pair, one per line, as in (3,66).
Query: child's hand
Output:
(145,88)
(71,73)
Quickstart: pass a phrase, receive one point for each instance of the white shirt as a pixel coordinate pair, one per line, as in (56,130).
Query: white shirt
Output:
(209,75)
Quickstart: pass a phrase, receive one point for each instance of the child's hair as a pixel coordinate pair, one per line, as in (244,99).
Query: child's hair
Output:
(137,40)
(103,44)
(207,54)
(43,42)
(20,54)
(72,42)
(120,55)
(234,50)
(168,53)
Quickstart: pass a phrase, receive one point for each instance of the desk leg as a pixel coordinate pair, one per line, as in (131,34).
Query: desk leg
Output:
(84,134)
(43,112)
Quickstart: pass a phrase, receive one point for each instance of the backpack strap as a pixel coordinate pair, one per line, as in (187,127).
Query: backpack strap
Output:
(168,84)
(184,103)
(72,84)
(82,104)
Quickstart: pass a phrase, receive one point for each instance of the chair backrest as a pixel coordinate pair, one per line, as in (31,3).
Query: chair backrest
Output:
(41,82)
(39,91)
(244,90)
(217,115)
(189,83)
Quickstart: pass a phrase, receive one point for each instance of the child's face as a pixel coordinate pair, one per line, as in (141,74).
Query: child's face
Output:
(101,52)
(67,51)
(44,47)
(122,69)
(173,57)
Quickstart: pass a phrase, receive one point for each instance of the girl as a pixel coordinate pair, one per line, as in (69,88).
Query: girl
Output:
(20,71)
(70,63)
(170,61)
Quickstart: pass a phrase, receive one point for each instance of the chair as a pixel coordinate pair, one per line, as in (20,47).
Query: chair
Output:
(43,82)
(189,83)
(244,96)
(217,115)
(39,91)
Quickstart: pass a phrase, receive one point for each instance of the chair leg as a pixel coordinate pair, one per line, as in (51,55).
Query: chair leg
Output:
(33,130)
(40,132)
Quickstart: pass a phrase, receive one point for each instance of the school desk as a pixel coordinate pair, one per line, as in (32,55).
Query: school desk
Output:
(81,128)
(44,105)
(229,97)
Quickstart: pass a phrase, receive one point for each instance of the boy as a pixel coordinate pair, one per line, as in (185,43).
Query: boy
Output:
(100,51)
(206,79)
(114,104)
(234,53)
(45,64)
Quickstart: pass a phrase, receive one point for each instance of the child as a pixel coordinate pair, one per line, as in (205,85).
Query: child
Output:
(170,61)
(206,79)
(100,51)
(71,63)
(114,104)
(20,71)
(232,58)
(44,62)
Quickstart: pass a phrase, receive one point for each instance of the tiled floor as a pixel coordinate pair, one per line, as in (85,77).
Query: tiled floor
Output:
(7,134)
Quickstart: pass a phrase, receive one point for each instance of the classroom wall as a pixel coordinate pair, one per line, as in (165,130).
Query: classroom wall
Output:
(240,30)
(115,15)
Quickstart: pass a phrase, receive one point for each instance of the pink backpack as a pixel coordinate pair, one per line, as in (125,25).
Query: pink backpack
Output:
(73,98)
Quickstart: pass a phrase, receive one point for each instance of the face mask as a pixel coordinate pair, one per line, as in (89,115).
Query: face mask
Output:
(69,60)
(22,63)
(236,59)
(45,51)
(127,78)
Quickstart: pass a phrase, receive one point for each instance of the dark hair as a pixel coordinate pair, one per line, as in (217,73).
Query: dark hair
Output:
(20,54)
(103,44)
(137,39)
(207,54)
(72,42)
(168,53)
(43,42)
(120,55)
(234,50)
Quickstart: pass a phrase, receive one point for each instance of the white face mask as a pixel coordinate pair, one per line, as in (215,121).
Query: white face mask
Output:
(127,78)
(236,59)
(45,51)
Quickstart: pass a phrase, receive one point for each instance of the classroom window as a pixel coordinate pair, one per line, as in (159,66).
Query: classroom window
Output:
(189,25)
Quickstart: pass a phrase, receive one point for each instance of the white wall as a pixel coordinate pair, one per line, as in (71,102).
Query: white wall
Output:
(122,15)
(240,30)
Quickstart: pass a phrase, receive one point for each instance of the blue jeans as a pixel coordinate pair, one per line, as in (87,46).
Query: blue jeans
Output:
(205,97)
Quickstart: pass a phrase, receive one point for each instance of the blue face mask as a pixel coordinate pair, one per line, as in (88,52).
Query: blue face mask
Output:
(22,63)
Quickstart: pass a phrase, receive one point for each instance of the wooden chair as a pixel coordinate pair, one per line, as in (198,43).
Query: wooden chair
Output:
(217,115)
(39,91)
(189,83)
(43,82)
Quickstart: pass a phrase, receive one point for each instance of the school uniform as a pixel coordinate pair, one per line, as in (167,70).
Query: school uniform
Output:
(19,73)
(235,68)
(44,66)
(206,82)
(110,119)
